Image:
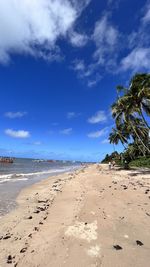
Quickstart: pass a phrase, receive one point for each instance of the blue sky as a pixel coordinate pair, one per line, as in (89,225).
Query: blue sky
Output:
(60,62)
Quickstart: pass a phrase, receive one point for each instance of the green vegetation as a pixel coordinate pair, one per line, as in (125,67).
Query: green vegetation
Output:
(130,112)
(141,162)
(114,156)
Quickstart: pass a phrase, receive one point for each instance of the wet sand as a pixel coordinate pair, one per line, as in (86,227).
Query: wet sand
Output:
(92,217)
(10,190)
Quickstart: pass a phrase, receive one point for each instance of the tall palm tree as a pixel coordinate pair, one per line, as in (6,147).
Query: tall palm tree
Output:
(137,96)
(140,90)
(123,115)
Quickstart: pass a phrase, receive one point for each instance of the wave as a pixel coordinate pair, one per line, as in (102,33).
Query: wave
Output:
(13,177)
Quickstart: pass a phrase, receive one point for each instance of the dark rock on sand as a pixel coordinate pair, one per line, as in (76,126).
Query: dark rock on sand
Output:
(30,235)
(125,188)
(43,201)
(41,208)
(6,236)
(117,247)
(23,250)
(139,243)
(9,259)
(36,211)
(30,217)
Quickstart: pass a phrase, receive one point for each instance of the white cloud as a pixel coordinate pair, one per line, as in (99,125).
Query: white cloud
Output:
(78,40)
(37,143)
(146,18)
(105,141)
(94,82)
(78,65)
(17,134)
(138,59)
(33,27)
(85,71)
(67,131)
(99,116)
(14,115)
(82,69)
(105,37)
(98,134)
(71,115)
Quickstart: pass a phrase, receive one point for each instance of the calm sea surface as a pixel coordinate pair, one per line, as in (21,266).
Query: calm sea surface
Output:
(24,172)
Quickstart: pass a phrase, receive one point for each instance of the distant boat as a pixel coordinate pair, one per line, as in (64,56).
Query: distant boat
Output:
(38,160)
(50,160)
(6,160)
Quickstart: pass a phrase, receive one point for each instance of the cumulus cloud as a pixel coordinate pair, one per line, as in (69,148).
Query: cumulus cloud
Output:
(105,37)
(138,59)
(146,17)
(14,115)
(66,131)
(98,134)
(17,134)
(33,27)
(78,40)
(99,116)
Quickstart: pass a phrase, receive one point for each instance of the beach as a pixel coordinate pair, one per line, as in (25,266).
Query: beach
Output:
(89,217)
(23,173)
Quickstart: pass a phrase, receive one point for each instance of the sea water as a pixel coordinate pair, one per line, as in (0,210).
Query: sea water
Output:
(24,172)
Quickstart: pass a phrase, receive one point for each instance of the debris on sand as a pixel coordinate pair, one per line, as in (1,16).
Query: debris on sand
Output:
(117,247)
(139,243)
(9,259)
(23,250)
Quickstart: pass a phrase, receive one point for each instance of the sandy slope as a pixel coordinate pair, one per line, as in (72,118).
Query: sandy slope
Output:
(75,220)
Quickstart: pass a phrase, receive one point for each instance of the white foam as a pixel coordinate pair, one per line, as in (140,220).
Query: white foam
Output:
(13,177)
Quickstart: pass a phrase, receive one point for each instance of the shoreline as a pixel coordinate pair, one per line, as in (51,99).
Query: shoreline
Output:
(76,220)
(33,199)
(10,191)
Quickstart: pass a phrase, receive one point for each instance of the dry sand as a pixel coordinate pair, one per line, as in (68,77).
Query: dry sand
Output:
(92,217)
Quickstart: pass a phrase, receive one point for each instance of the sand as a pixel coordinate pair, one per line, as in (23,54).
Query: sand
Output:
(92,217)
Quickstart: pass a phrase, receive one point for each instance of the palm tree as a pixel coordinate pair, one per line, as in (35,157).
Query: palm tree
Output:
(140,90)
(137,96)
(118,135)
(123,115)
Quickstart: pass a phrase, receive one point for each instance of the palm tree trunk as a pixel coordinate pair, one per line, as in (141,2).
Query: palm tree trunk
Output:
(114,147)
(145,122)
(124,146)
(139,137)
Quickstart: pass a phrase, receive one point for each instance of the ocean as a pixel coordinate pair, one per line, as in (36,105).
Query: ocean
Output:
(23,173)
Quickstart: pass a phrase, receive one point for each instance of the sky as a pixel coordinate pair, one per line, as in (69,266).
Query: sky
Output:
(60,63)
